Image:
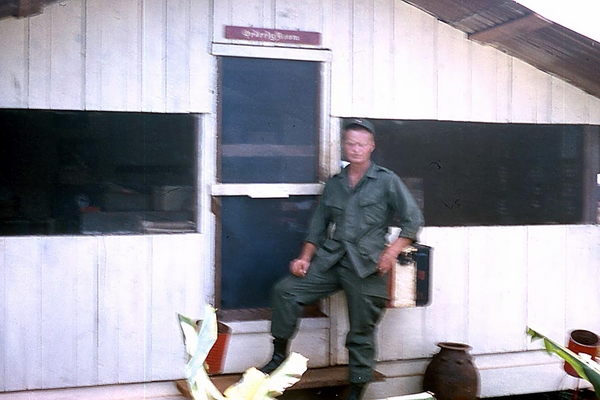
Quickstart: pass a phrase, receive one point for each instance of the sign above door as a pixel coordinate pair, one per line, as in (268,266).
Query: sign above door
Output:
(272,35)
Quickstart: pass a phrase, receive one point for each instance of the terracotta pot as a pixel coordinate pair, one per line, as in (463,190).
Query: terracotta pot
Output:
(215,359)
(451,374)
(582,341)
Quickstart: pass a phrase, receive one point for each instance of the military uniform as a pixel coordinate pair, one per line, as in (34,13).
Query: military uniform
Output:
(349,228)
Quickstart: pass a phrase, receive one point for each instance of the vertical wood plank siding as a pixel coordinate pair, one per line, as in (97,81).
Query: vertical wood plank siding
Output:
(154,65)
(109,55)
(14,64)
(81,311)
(68,312)
(22,290)
(390,60)
(489,283)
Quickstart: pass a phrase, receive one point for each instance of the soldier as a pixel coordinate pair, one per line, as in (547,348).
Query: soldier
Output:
(346,250)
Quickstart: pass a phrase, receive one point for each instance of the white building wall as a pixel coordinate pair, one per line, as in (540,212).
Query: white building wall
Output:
(390,60)
(109,55)
(397,62)
(488,285)
(79,311)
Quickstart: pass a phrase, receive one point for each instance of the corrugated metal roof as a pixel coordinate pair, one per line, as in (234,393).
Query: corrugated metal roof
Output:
(516,30)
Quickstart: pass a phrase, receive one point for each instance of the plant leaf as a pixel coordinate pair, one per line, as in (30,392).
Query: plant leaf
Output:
(417,396)
(254,385)
(246,387)
(288,373)
(198,344)
(202,388)
(190,336)
(587,369)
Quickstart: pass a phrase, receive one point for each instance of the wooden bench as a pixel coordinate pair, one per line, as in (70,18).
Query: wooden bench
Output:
(326,383)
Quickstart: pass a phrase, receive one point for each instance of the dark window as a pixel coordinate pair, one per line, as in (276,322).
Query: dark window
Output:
(96,172)
(260,237)
(469,174)
(269,121)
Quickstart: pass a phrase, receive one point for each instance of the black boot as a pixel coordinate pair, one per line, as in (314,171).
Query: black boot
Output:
(280,349)
(356,390)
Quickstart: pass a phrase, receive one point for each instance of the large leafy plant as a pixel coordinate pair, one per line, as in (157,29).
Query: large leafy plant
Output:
(254,385)
(584,366)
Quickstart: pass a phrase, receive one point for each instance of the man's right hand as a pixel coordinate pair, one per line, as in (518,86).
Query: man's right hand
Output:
(299,267)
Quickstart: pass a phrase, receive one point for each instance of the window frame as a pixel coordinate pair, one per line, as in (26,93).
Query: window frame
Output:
(326,156)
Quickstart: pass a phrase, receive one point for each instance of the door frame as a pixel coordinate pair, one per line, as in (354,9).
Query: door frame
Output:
(328,151)
(329,143)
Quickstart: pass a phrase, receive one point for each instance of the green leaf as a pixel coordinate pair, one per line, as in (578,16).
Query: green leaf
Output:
(587,369)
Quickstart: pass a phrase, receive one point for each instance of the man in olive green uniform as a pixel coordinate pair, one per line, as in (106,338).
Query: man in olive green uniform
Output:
(346,250)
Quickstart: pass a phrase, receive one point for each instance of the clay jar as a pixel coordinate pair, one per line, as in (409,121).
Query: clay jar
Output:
(451,374)
(582,341)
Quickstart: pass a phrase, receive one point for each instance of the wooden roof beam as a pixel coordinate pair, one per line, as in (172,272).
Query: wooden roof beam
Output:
(529,23)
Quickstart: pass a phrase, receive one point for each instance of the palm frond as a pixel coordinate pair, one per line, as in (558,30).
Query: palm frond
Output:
(254,385)
(585,367)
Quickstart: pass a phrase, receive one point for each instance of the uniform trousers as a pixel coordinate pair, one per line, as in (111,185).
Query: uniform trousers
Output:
(365,308)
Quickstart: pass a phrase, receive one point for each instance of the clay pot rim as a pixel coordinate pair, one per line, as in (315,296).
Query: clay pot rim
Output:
(454,346)
(222,328)
(585,338)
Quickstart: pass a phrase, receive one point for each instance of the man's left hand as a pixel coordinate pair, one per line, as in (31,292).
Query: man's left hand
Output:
(387,261)
(388,258)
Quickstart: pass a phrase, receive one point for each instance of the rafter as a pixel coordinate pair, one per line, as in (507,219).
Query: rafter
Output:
(529,23)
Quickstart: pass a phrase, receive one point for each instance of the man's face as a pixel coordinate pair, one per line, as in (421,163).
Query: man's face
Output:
(358,146)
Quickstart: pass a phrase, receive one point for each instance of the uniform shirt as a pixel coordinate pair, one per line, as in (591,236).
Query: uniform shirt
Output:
(353,222)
